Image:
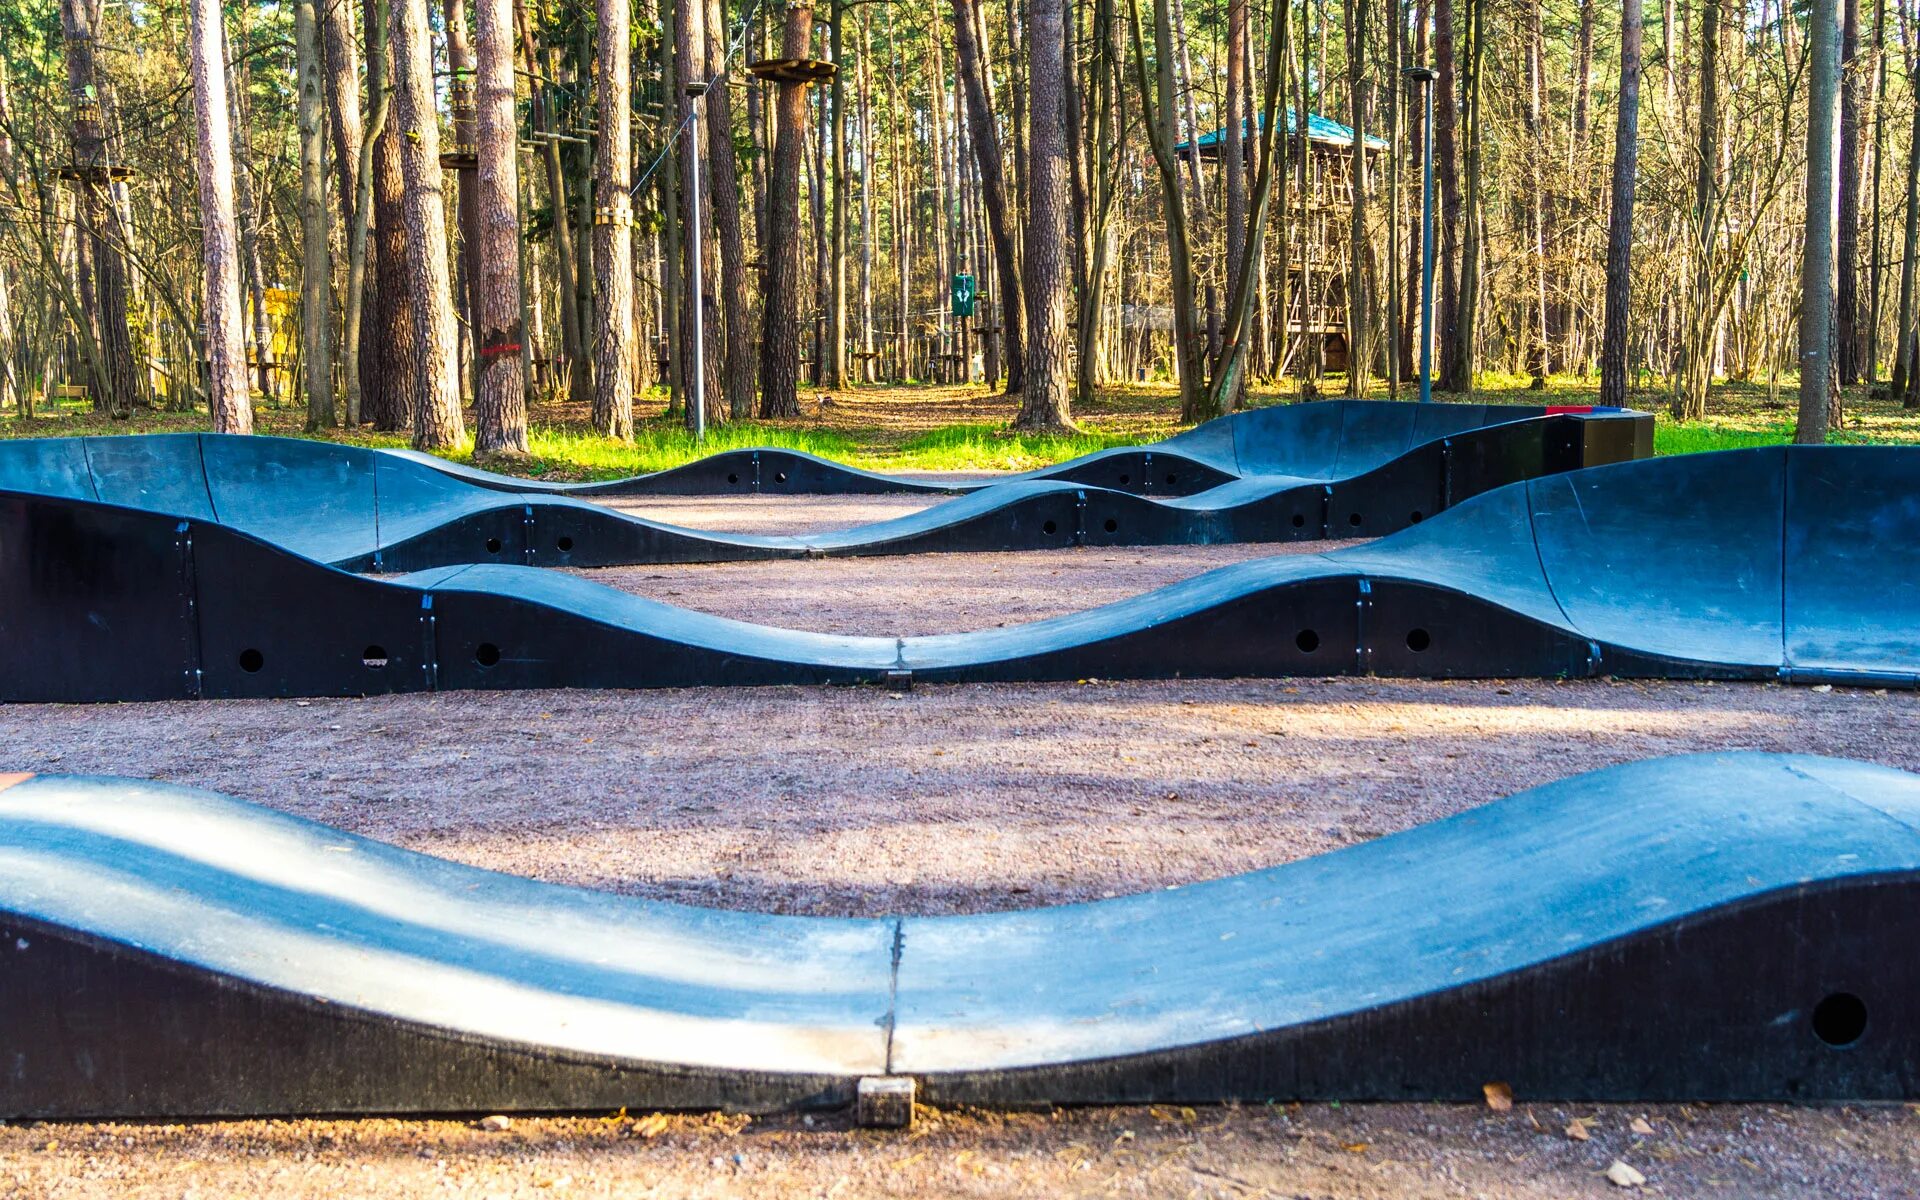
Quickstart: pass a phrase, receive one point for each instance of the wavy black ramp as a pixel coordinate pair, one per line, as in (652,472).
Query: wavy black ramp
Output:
(1715,927)
(1334,469)
(1795,563)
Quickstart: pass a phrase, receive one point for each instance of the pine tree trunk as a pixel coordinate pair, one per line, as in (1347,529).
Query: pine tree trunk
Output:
(500,384)
(316,323)
(1847,336)
(1463,367)
(1359,306)
(1621,214)
(993,186)
(340,75)
(227,399)
(573,334)
(780,340)
(1233,164)
(736,298)
(437,420)
(1904,374)
(833,370)
(1446,167)
(466,300)
(388,348)
(113,382)
(1696,367)
(1043,403)
(613,224)
(362,299)
(1870,353)
(11,393)
(1816,277)
(253,275)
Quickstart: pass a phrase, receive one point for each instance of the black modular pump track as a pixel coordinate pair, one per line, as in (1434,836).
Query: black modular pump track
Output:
(1797,563)
(1300,472)
(1713,927)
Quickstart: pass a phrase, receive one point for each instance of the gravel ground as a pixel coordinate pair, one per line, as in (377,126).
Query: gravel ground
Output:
(951,799)
(929,593)
(759,514)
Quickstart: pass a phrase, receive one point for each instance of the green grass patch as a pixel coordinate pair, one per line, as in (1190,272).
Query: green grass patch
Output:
(991,448)
(1694,437)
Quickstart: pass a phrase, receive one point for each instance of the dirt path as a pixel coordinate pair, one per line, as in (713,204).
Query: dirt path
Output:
(950,799)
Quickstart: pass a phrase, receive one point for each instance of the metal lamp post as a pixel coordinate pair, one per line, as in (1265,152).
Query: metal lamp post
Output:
(1424,76)
(697,403)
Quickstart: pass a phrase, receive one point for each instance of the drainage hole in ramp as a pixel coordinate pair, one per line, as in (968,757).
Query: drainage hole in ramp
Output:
(486,654)
(1840,1019)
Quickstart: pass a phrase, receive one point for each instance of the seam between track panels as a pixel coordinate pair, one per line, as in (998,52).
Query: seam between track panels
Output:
(1546,577)
(1786,506)
(206,476)
(893,988)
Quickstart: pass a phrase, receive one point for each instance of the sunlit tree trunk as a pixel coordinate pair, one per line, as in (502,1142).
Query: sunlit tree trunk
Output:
(780,341)
(1460,376)
(227,398)
(1905,377)
(1043,402)
(613,221)
(735,296)
(1816,269)
(253,275)
(1847,332)
(573,333)
(1446,169)
(316,324)
(466,300)
(1626,155)
(1359,305)
(389,351)
(1233,160)
(500,384)
(11,392)
(437,420)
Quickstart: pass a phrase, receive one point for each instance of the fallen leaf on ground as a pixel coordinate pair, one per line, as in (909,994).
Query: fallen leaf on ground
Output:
(1639,1125)
(1624,1176)
(1577,1130)
(1499,1096)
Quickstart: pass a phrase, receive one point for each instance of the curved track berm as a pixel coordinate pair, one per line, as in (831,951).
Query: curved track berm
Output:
(1334,469)
(1796,563)
(1718,927)
(1319,440)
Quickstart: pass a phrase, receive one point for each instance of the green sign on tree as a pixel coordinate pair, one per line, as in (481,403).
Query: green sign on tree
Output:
(964,292)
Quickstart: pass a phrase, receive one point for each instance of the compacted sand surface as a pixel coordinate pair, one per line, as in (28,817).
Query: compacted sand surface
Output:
(951,799)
